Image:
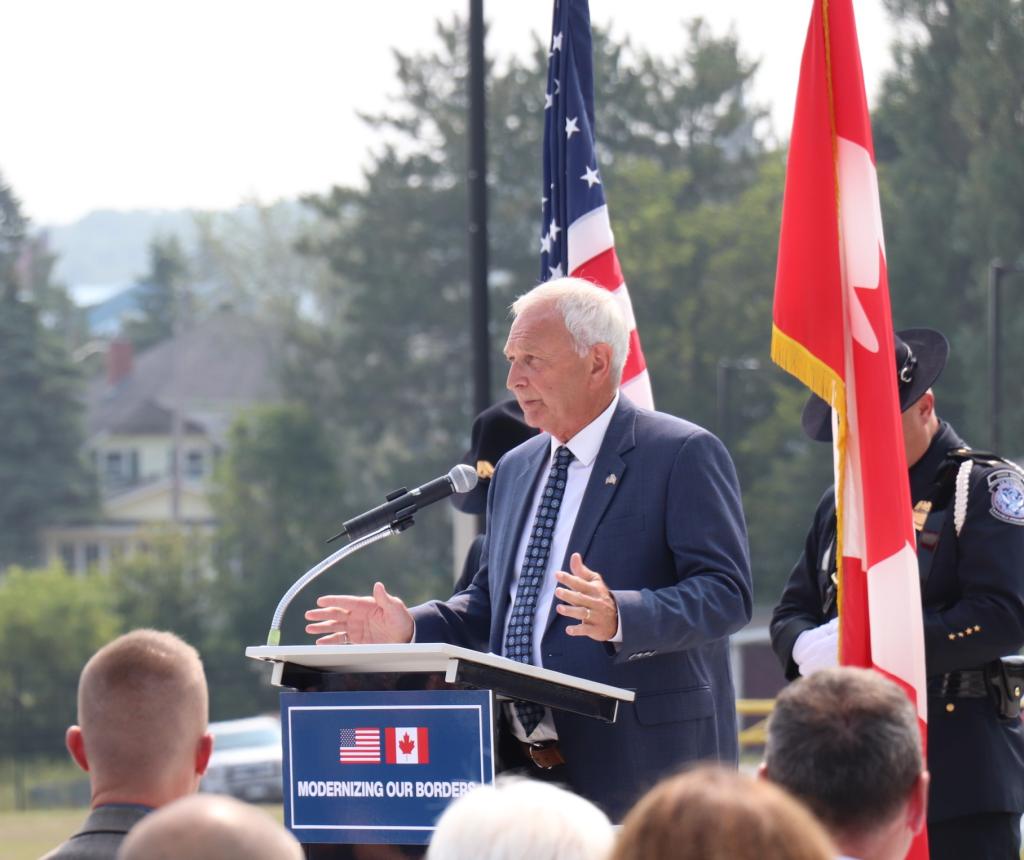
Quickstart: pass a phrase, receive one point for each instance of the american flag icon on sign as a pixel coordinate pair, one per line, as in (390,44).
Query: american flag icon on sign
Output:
(359,746)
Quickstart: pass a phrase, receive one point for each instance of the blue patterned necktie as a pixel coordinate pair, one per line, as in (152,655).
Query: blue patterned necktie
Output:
(519,637)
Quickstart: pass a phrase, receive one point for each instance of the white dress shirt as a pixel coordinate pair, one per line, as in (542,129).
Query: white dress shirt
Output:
(585,446)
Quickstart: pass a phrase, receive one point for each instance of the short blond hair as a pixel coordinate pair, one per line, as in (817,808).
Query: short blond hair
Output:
(142,701)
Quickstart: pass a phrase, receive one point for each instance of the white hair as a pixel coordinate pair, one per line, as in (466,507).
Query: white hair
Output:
(591,315)
(521,819)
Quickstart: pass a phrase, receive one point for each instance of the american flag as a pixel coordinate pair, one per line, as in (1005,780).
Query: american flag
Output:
(359,746)
(576,236)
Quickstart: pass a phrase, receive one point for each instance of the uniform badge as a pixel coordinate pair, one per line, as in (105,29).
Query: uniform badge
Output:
(1007,489)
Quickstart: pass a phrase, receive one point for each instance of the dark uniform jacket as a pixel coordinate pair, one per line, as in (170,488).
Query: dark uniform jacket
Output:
(101,834)
(973,596)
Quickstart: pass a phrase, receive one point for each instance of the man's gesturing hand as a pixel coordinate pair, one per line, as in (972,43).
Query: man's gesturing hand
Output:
(360,620)
(587,599)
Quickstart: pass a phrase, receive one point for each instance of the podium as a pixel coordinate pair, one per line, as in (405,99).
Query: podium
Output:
(378,739)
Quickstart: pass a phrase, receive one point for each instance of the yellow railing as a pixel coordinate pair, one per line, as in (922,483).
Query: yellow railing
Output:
(754,735)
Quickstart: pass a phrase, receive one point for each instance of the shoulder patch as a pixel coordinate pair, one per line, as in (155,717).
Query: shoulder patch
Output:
(1007,489)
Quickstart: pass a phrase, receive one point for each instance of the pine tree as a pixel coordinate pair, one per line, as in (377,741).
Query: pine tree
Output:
(42,472)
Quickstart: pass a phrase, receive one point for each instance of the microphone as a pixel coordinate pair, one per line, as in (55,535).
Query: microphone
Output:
(402,504)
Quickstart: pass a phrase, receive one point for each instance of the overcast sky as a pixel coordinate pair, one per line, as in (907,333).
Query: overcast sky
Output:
(130,104)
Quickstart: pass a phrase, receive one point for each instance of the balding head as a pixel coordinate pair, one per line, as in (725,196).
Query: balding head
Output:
(518,818)
(142,714)
(209,827)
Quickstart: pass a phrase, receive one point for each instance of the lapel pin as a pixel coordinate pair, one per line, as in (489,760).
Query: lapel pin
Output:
(611,479)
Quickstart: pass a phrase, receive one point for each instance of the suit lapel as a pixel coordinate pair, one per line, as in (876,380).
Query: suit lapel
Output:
(520,491)
(619,438)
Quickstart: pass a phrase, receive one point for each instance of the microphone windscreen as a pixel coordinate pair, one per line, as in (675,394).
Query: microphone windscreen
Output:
(463,478)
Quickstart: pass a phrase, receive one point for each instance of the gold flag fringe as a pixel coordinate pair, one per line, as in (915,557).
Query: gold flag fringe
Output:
(797,360)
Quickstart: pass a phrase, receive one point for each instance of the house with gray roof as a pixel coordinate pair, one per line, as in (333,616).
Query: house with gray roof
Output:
(156,424)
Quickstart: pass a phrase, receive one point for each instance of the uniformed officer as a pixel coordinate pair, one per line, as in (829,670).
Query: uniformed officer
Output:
(969,516)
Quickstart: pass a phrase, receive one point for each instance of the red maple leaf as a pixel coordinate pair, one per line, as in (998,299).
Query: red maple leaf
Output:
(406,745)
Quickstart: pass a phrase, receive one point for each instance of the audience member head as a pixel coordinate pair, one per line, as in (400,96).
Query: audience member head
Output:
(209,827)
(710,813)
(846,742)
(517,819)
(142,714)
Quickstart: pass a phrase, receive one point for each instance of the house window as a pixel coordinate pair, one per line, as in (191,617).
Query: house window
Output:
(92,554)
(67,556)
(113,465)
(194,463)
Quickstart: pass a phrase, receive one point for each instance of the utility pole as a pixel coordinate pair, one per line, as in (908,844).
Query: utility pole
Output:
(996,270)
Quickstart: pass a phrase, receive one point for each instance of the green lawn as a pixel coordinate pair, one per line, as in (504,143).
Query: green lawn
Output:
(29,835)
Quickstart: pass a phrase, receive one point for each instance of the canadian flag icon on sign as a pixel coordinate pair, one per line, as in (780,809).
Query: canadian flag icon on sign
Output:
(406,746)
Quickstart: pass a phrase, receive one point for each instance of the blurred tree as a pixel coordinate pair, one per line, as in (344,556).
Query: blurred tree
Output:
(386,353)
(947,124)
(44,477)
(168,587)
(50,624)
(173,586)
(271,497)
(163,299)
(248,258)
(707,285)
(13,231)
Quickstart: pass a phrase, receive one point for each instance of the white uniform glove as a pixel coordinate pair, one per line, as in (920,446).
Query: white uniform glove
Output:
(817,648)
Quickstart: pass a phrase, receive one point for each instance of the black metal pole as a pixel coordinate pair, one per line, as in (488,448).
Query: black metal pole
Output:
(478,211)
(995,273)
(477,175)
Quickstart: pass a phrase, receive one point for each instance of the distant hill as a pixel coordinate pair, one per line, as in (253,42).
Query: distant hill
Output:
(109,249)
(106,252)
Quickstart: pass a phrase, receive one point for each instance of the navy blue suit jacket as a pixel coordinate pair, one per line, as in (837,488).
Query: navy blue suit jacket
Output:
(669,539)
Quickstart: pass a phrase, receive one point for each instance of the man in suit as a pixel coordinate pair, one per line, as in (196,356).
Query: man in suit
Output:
(616,551)
(141,736)
(969,516)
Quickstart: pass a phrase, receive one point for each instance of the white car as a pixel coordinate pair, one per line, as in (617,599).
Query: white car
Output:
(246,760)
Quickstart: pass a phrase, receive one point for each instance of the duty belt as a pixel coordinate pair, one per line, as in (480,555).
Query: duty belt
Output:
(968,684)
(1001,680)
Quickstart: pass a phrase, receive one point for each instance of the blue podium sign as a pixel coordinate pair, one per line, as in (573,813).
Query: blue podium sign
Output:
(381,767)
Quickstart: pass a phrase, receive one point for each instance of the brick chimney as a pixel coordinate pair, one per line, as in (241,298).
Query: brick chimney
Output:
(120,356)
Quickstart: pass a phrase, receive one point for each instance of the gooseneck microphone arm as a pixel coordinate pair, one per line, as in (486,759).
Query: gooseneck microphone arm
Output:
(274,636)
(395,516)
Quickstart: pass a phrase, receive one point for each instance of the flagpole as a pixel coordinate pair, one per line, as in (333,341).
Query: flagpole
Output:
(477,176)
(477,181)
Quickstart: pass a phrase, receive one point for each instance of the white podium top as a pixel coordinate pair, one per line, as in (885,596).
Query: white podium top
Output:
(419,657)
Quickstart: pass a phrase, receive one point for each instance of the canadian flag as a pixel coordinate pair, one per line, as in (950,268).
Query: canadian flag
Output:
(406,746)
(833,330)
